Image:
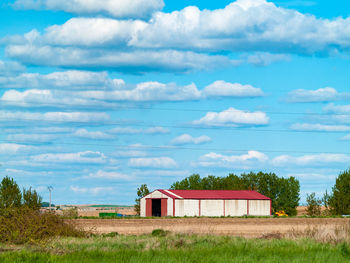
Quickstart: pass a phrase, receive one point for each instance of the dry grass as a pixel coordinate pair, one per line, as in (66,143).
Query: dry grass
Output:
(325,234)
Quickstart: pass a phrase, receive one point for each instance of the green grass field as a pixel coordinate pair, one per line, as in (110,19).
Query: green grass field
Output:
(176,248)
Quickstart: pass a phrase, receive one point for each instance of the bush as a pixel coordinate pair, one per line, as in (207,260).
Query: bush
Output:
(159,233)
(70,213)
(24,225)
(111,234)
(313,205)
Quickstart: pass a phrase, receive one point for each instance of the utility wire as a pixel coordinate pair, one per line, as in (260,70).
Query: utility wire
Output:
(171,148)
(126,124)
(120,107)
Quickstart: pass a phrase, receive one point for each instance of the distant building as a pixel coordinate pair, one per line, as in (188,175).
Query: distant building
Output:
(204,203)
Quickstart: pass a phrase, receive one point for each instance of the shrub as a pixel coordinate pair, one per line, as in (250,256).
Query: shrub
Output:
(111,234)
(159,233)
(313,205)
(70,213)
(24,225)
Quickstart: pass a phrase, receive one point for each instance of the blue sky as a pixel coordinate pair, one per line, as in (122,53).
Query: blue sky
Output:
(97,99)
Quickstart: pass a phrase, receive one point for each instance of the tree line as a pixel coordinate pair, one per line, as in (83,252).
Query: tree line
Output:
(11,196)
(284,192)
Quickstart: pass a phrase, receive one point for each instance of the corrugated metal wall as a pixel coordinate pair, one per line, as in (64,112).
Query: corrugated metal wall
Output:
(191,207)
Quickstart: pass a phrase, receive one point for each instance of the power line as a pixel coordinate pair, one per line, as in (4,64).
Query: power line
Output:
(140,107)
(126,124)
(171,148)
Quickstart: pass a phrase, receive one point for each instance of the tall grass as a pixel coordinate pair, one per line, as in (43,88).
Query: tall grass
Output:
(180,248)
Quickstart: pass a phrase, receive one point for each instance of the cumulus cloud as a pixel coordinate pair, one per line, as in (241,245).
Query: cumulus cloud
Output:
(233,117)
(71,79)
(6,116)
(222,88)
(25,137)
(319,127)
(156,162)
(93,190)
(188,139)
(244,161)
(319,95)
(338,109)
(55,89)
(115,8)
(129,153)
(135,61)
(87,157)
(142,46)
(96,135)
(12,148)
(265,59)
(323,159)
(346,137)
(243,25)
(129,130)
(8,68)
(101,174)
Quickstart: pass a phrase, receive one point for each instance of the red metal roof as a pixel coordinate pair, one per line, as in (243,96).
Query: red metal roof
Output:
(214,194)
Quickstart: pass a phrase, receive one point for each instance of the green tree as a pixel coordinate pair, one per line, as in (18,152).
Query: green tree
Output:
(31,199)
(10,194)
(339,200)
(141,192)
(284,192)
(313,205)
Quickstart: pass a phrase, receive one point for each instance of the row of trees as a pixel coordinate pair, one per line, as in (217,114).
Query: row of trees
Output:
(11,196)
(335,203)
(284,192)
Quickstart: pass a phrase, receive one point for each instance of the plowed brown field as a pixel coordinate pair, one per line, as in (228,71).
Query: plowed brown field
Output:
(245,227)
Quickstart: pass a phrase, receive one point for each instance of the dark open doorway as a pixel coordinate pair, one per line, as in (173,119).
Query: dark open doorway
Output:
(156,207)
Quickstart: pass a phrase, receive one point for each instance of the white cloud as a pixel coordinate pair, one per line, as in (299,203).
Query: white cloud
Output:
(55,90)
(233,117)
(53,116)
(188,139)
(93,191)
(115,8)
(129,153)
(101,174)
(8,68)
(157,162)
(265,59)
(157,130)
(129,130)
(346,137)
(245,161)
(12,148)
(324,159)
(221,88)
(21,137)
(87,157)
(180,41)
(338,109)
(319,95)
(137,61)
(319,127)
(97,135)
(71,80)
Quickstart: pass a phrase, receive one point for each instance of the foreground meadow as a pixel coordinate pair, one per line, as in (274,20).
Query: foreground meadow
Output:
(167,247)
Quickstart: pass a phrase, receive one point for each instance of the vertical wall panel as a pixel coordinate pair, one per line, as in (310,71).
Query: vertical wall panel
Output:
(164,207)
(148,207)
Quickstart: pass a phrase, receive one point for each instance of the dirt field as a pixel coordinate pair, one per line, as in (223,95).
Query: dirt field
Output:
(246,227)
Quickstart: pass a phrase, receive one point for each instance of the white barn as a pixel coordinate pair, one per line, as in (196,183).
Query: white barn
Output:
(204,203)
